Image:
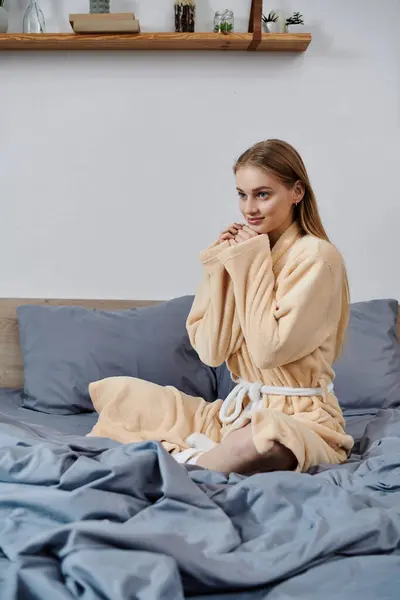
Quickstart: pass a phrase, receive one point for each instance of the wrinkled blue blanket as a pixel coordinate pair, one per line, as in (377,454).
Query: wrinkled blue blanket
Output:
(92,519)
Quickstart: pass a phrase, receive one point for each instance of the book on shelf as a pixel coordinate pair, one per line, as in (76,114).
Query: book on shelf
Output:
(103,26)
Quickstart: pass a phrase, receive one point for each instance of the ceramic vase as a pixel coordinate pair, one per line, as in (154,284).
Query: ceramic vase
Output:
(272,27)
(295,28)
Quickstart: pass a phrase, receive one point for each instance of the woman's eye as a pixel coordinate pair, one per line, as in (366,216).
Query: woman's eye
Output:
(241,195)
(263,195)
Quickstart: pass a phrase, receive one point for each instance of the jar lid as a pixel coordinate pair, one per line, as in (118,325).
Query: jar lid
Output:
(222,13)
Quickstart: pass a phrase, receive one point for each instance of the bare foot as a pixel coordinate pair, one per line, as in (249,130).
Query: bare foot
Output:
(238,454)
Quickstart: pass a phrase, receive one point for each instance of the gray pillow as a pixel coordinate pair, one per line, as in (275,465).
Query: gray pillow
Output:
(368,373)
(65,348)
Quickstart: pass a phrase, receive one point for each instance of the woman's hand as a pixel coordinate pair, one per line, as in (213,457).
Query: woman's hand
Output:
(230,232)
(245,233)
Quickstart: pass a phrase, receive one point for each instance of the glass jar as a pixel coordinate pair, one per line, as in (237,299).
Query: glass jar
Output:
(224,21)
(33,21)
(99,6)
(185,16)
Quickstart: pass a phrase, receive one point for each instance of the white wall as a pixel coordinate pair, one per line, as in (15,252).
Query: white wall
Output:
(115,168)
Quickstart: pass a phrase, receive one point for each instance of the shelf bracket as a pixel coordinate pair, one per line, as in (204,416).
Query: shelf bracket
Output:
(255,24)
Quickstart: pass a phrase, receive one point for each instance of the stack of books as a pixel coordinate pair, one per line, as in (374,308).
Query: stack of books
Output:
(104,23)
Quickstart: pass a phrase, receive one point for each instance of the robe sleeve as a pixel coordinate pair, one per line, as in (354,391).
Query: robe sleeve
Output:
(282,321)
(213,325)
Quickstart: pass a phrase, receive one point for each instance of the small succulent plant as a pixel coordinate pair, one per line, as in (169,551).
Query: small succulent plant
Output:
(223,27)
(271,18)
(295,19)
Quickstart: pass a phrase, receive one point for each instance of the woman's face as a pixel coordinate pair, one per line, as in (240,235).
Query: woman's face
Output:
(266,204)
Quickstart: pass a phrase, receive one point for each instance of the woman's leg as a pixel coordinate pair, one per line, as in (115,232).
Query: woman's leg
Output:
(237,453)
(134,410)
(275,441)
(313,437)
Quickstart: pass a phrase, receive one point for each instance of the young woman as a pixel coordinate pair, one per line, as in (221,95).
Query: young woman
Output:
(273,305)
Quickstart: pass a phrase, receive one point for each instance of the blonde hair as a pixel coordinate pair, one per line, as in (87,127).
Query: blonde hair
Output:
(284,162)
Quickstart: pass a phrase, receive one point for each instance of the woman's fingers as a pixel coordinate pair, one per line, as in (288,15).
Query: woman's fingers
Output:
(230,232)
(250,231)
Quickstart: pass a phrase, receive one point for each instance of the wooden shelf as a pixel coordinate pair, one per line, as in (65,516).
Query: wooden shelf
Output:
(279,42)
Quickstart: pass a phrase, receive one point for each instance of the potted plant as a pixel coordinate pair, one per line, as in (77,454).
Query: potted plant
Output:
(270,22)
(3,18)
(274,22)
(295,23)
(224,27)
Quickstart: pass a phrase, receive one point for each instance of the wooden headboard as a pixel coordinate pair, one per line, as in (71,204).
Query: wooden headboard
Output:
(11,367)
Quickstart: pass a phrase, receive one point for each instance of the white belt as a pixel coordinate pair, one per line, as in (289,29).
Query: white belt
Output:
(255,392)
(199,443)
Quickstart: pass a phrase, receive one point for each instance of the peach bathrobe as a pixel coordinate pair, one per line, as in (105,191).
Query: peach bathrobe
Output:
(273,316)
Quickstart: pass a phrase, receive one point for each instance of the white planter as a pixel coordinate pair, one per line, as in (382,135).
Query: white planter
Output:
(3,20)
(295,29)
(272,27)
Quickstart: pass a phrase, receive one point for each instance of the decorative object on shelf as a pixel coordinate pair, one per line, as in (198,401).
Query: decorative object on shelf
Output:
(3,18)
(99,6)
(104,23)
(295,23)
(224,21)
(275,22)
(185,16)
(34,21)
(271,24)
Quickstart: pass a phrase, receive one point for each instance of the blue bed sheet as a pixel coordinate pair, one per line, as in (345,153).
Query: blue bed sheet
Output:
(78,424)
(89,518)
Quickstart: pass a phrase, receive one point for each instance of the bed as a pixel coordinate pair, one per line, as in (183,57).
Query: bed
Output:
(89,518)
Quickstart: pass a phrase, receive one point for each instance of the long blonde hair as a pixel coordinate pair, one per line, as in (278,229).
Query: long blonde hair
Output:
(284,162)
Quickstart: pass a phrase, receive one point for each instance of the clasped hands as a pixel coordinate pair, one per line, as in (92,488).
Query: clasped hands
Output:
(236,234)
